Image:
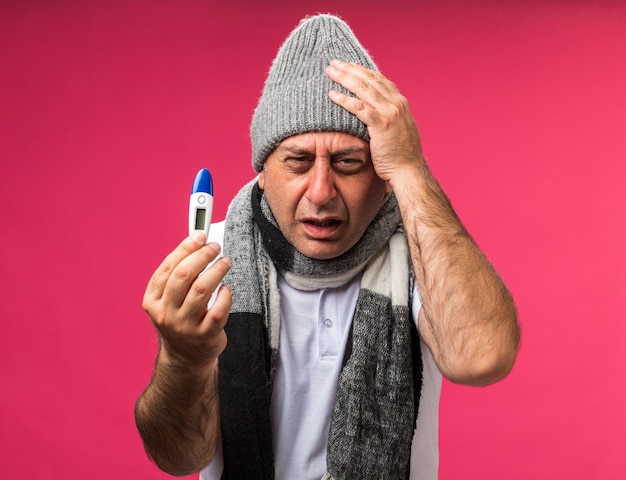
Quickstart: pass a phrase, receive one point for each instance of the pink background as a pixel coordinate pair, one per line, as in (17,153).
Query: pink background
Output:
(107,110)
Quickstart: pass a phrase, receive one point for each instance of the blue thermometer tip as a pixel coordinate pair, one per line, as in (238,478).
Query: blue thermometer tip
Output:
(203,182)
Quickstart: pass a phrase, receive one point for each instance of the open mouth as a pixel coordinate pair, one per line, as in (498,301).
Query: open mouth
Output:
(322,230)
(326,223)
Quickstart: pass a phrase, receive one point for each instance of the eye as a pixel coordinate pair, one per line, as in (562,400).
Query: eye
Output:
(298,164)
(348,165)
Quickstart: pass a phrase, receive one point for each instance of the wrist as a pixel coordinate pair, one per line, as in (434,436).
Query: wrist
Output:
(411,176)
(189,358)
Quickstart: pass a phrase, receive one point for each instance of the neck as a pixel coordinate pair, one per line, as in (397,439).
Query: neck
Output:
(289,260)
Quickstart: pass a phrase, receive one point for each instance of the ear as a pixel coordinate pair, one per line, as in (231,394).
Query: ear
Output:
(262,179)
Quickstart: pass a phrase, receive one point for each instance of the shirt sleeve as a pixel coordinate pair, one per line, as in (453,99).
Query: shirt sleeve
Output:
(416,304)
(214,470)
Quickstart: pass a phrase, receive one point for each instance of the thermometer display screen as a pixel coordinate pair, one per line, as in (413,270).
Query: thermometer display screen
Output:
(200,218)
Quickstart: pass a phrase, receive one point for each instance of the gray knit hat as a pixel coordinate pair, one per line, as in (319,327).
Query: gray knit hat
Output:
(295,98)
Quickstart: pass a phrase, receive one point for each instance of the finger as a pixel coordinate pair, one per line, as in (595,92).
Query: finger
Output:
(379,117)
(156,285)
(216,317)
(359,106)
(185,274)
(368,85)
(200,291)
(351,72)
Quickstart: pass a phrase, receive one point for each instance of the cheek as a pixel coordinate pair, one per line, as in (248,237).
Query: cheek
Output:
(283,195)
(278,209)
(368,202)
(369,211)
(280,204)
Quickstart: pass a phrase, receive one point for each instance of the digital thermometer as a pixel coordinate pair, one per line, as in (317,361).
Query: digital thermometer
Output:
(201,203)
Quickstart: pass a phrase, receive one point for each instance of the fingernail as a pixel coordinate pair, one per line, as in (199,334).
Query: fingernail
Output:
(198,237)
(215,247)
(336,61)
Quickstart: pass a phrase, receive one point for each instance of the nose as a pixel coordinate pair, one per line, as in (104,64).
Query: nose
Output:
(321,187)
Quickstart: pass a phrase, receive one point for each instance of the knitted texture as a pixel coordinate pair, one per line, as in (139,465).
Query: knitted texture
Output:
(295,97)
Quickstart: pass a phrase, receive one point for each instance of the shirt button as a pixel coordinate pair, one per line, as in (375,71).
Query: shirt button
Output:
(328,323)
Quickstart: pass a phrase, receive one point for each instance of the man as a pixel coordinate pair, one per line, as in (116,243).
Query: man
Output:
(341,246)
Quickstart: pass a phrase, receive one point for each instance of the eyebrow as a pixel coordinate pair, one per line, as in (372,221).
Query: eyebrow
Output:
(306,151)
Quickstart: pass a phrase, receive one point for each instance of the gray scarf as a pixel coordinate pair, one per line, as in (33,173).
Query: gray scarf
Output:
(379,387)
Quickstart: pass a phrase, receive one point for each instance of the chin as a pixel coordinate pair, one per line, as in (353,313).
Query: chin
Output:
(323,256)
(322,253)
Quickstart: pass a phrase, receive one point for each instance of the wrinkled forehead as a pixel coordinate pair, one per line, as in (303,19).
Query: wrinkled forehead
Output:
(331,142)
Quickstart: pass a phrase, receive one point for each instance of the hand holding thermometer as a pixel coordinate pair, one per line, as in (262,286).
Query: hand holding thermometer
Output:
(201,203)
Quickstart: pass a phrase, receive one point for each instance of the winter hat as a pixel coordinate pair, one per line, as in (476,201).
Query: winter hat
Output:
(295,97)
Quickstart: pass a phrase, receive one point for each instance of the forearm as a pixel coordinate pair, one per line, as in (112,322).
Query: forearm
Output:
(468,315)
(178,415)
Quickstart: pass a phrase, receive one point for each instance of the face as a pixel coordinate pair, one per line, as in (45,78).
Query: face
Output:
(323,191)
